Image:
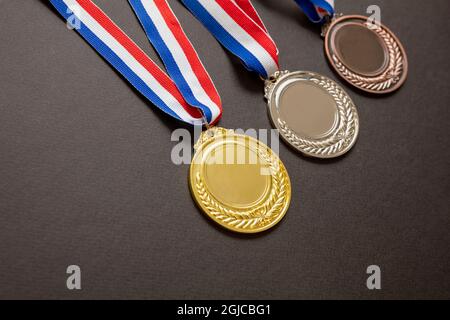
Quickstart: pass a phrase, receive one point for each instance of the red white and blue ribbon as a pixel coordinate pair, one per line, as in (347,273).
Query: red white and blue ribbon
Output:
(238,27)
(317,10)
(187,93)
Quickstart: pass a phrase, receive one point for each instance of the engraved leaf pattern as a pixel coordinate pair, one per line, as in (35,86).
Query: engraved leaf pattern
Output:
(259,216)
(342,138)
(388,78)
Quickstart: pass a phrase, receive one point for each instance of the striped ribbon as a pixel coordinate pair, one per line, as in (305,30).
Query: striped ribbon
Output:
(317,10)
(186,93)
(238,27)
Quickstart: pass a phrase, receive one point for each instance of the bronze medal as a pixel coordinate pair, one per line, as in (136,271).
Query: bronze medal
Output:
(367,55)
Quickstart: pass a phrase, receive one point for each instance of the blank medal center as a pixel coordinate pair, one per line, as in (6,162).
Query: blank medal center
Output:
(233,179)
(360,49)
(308,110)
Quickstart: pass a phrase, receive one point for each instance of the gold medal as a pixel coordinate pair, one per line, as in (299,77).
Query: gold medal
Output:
(239,182)
(236,180)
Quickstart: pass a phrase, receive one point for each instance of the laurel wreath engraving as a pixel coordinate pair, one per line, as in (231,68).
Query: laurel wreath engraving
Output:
(389,77)
(257,217)
(340,139)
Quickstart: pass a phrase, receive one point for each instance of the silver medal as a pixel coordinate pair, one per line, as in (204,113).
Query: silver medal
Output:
(312,113)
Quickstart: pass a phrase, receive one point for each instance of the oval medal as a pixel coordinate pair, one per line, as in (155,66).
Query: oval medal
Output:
(312,113)
(366,54)
(239,182)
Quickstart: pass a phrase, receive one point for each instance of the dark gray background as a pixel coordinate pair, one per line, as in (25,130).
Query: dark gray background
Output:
(86,176)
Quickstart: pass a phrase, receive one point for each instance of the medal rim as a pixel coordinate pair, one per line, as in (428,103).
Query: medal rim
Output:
(361,78)
(311,147)
(284,186)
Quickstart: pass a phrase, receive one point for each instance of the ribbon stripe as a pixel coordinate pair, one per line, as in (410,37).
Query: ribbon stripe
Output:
(172,45)
(317,10)
(237,26)
(188,95)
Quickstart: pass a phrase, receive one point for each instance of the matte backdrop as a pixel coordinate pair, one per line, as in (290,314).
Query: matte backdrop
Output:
(86,176)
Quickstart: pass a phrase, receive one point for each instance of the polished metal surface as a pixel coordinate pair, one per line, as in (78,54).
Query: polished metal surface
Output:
(239,182)
(367,55)
(312,113)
